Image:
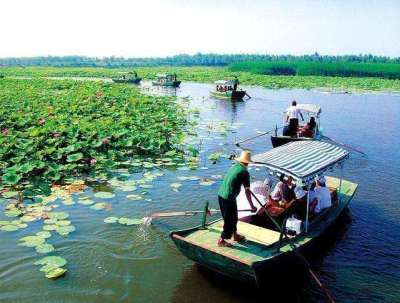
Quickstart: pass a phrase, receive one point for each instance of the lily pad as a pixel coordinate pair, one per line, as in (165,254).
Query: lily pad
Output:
(104,195)
(50,221)
(134,197)
(68,202)
(9,228)
(44,248)
(86,202)
(56,273)
(56,261)
(206,182)
(10,194)
(128,221)
(65,230)
(63,223)
(28,218)
(99,206)
(111,220)
(43,234)
(58,215)
(50,227)
(14,212)
(31,241)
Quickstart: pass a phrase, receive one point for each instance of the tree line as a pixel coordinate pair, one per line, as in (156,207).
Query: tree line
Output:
(198,59)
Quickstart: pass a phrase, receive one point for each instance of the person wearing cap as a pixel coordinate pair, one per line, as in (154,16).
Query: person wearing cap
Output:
(236,177)
(323,195)
(292,118)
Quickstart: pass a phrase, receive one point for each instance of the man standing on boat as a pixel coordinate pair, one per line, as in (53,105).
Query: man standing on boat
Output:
(293,113)
(236,176)
(235,83)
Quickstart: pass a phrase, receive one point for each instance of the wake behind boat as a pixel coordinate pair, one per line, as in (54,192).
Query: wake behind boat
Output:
(268,243)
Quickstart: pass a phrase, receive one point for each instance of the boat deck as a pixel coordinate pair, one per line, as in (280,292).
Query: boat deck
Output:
(247,252)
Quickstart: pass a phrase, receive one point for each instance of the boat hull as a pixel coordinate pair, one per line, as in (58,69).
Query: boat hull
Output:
(168,84)
(281,140)
(133,81)
(235,95)
(253,262)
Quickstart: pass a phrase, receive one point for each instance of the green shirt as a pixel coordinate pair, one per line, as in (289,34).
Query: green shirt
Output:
(236,176)
(236,81)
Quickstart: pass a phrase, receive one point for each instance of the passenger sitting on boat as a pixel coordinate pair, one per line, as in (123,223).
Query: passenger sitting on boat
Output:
(282,192)
(323,195)
(308,129)
(236,176)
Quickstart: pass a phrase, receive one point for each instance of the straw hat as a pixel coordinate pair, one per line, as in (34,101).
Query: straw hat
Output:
(244,157)
(320,179)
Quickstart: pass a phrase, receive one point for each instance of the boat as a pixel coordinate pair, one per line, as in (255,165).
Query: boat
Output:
(166,80)
(308,110)
(224,91)
(127,77)
(265,247)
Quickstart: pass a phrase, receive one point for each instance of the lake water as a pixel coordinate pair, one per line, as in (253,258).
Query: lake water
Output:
(359,262)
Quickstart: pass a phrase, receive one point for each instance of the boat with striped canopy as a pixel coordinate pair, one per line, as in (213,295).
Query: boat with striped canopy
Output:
(169,80)
(269,244)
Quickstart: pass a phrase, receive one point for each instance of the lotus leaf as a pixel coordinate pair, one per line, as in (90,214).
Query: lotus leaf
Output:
(4,222)
(99,206)
(43,234)
(104,195)
(55,273)
(22,225)
(65,230)
(58,215)
(14,212)
(31,241)
(75,157)
(134,197)
(50,227)
(128,221)
(86,202)
(55,261)
(10,194)
(111,220)
(68,202)
(9,228)
(44,248)
(28,218)
(50,221)
(63,223)
(206,182)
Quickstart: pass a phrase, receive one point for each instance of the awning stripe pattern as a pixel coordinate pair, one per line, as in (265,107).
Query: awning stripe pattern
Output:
(301,159)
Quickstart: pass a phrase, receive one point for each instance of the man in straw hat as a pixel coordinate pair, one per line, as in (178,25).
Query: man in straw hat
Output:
(236,176)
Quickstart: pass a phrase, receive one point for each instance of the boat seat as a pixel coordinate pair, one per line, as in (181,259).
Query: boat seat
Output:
(252,232)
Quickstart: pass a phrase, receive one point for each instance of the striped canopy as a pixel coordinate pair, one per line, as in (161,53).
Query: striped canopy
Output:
(303,160)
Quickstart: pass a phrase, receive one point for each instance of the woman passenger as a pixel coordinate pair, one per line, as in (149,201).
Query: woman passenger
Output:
(309,129)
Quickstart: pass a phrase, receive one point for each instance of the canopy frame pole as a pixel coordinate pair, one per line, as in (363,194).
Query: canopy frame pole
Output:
(340,182)
(308,205)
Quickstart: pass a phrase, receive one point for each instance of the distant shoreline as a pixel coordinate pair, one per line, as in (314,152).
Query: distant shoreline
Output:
(211,74)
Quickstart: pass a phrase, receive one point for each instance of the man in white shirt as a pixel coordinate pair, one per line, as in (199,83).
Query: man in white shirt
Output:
(292,117)
(323,195)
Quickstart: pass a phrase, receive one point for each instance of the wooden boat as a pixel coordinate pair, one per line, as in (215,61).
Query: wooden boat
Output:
(309,110)
(166,80)
(265,247)
(224,91)
(130,77)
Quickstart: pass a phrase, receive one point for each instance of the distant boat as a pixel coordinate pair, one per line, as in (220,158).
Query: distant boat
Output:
(268,246)
(166,80)
(127,77)
(312,110)
(224,90)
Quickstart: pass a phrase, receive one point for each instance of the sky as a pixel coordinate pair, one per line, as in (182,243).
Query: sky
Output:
(150,28)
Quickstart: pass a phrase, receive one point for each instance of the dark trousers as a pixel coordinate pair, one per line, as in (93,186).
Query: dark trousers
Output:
(230,216)
(235,86)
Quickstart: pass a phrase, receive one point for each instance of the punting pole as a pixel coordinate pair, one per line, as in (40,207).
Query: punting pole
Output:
(340,182)
(308,205)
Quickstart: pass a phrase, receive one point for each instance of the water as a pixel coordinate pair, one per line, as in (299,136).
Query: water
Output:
(360,261)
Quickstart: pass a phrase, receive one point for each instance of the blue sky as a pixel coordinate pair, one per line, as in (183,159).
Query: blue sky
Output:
(147,28)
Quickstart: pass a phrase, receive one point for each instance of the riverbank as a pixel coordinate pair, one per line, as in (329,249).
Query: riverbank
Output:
(210,74)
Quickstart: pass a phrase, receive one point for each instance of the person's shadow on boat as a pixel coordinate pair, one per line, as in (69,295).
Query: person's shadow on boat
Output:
(287,281)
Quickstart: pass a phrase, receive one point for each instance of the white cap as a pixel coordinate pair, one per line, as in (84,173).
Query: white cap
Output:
(320,179)
(299,192)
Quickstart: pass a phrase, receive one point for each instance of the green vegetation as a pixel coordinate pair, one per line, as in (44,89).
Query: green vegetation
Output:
(186,60)
(210,74)
(301,68)
(52,130)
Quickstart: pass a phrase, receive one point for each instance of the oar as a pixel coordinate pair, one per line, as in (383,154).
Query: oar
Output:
(312,273)
(147,220)
(345,145)
(251,138)
(248,95)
